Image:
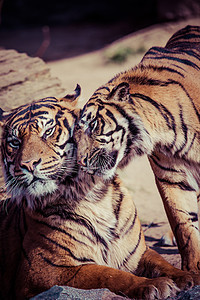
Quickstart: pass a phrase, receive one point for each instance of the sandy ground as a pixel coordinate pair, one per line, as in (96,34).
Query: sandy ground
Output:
(92,70)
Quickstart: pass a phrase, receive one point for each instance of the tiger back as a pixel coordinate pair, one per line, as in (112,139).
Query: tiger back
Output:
(153,109)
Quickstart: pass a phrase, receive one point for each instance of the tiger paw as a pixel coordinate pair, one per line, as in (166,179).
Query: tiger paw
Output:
(156,288)
(168,239)
(185,280)
(196,278)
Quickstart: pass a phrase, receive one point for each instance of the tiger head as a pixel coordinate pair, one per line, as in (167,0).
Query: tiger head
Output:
(110,132)
(38,150)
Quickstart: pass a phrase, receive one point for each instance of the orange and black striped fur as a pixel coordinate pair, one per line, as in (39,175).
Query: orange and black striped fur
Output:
(154,109)
(63,226)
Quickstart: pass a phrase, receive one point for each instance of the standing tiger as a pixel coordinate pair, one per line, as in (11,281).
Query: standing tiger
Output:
(64,226)
(154,109)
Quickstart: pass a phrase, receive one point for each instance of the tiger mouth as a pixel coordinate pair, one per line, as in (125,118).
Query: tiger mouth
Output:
(100,162)
(36,179)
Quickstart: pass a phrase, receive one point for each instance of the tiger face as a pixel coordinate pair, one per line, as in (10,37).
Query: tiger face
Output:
(108,136)
(38,150)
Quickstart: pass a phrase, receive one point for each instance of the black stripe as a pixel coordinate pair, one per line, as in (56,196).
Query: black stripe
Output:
(50,167)
(127,222)
(191,144)
(133,222)
(192,53)
(49,162)
(68,215)
(143,80)
(61,147)
(102,88)
(162,167)
(49,99)
(131,126)
(167,115)
(110,133)
(40,114)
(104,254)
(134,250)
(180,184)
(60,130)
(183,36)
(49,262)
(62,231)
(118,205)
(86,106)
(179,67)
(58,116)
(69,267)
(156,50)
(111,116)
(160,69)
(191,100)
(27,117)
(194,216)
(94,97)
(80,259)
(184,129)
(30,111)
(179,60)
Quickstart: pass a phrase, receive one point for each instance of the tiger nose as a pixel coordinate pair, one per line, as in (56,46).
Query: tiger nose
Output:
(83,161)
(30,165)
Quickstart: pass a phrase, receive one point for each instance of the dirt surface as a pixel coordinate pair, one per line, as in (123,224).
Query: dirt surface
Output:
(92,70)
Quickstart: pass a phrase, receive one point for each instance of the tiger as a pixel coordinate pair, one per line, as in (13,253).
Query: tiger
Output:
(62,226)
(153,109)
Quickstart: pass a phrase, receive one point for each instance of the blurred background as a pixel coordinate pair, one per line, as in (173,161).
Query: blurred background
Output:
(62,29)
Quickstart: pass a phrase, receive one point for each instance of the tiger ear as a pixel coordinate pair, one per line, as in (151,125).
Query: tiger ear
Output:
(3,116)
(72,98)
(120,92)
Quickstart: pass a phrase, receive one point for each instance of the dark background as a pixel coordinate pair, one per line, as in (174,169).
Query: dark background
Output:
(138,13)
(64,25)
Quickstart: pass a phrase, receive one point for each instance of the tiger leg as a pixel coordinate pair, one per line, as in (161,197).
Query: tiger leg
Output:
(184,226)
(168,239)
(153,265)
(121,282)
(91,277)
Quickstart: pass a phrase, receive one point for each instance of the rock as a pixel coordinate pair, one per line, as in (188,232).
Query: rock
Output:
(69,293)
(193,294)
(24,79)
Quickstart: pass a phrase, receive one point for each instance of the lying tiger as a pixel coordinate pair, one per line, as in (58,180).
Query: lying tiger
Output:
(153,109)
(63,226)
